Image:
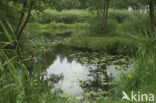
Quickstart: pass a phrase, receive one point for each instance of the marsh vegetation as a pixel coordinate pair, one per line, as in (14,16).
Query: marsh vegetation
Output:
(76,51)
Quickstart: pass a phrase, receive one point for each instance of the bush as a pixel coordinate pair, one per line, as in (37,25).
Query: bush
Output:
(119,15)
(122,15)
(64,16)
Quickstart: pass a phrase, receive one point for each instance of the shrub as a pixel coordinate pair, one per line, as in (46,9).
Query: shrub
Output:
(119,15)
(64,16)
(122,15)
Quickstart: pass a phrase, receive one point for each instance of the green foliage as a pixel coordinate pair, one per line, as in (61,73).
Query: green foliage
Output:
(120,15)
(126,21)
(136,24)
(96,27)
(69,4)
(117,44)
(52,29)
(119,22)
(64,16)
(125,4)
(7,35)
(143,72)
(20,84)
(8,10)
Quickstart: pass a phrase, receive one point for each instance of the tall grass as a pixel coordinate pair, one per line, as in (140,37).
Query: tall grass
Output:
(18,83)
(142,76)
(135,24)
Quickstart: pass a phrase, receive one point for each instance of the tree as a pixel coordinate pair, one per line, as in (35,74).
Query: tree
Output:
(65,4)
(20,26)
(125,4)
(101,6)
(24,8)
(105,8)
(152,15)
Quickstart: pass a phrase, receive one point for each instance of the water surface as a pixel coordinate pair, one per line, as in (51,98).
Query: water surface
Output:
(85,73)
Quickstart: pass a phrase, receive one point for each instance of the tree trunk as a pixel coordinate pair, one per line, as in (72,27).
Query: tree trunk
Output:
(21,18)
(105,13)
(26,21)
(151,8)
(98,12)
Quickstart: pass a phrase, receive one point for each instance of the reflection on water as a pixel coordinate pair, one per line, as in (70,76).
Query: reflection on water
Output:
(86,74)
(72,72)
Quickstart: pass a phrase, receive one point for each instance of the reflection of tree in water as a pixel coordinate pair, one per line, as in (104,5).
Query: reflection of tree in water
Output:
(42,59)
(47,58)
(54,79)
(64,52)
(97,82)
(50,56)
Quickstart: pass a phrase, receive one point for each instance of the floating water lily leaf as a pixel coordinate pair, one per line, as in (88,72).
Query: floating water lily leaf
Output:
(71,87)
(57,85)
(83,80)
(92,92)
(79,98)
(105,83)
(66,79)
(104,92)
(76,76)
(67,93)
(103,80)
(104,70)
(98,72)
(98,98)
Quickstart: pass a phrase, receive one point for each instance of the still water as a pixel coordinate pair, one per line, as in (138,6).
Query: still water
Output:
(84,74)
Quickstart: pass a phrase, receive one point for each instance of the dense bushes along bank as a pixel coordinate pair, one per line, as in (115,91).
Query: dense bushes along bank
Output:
(75,16)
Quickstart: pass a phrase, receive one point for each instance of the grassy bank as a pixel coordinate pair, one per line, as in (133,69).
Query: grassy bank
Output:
(142,76)
(86,34)
(116,44)
(81,37)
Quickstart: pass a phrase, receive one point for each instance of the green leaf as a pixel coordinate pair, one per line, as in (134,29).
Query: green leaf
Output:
(7,86)
(6,32)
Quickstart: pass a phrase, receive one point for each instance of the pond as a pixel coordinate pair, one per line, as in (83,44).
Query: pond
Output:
(84,74)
